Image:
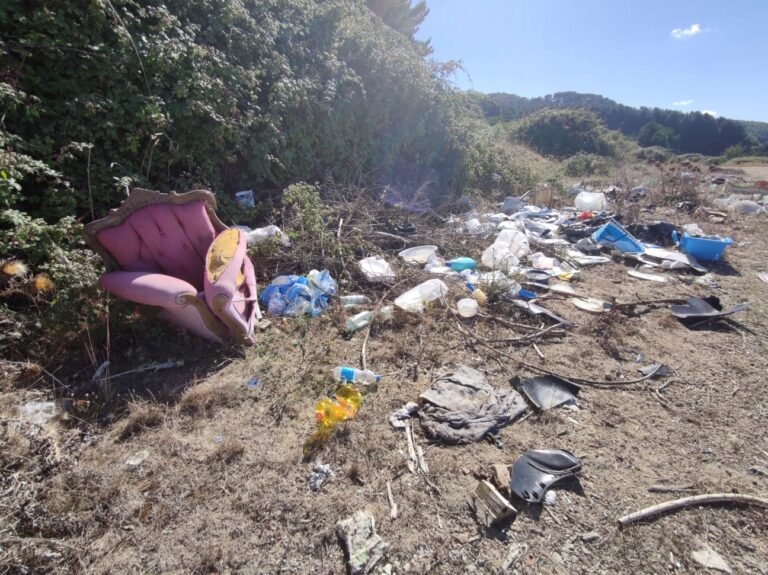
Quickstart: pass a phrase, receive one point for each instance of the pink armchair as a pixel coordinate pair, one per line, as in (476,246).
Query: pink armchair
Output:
(171,251)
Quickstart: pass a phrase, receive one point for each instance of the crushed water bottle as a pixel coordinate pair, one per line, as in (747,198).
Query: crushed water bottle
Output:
(362,319)
(353,300)
(350,374)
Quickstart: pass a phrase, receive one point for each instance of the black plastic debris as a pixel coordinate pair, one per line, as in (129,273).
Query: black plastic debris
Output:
(537,276)
(655,370)
(658,233)
(588,247)
(512,205)
(539,469)
(547,391)
(699,310)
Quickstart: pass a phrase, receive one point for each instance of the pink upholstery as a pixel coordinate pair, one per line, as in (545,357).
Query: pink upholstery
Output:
(234,304)
(147,288)
(160,251)
(163,238)
(162,291)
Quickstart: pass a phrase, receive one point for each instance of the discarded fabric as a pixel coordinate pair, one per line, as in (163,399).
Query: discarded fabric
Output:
(398,418)
(461,407)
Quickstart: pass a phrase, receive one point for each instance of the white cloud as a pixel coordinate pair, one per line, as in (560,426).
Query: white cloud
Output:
(683,103)
(709,112)
(692,30)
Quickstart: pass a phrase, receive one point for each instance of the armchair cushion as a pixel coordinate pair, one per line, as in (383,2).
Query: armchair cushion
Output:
(230,283)
(163,238)
(147,288)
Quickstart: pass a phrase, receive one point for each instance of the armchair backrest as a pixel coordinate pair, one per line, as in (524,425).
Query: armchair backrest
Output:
(162,233)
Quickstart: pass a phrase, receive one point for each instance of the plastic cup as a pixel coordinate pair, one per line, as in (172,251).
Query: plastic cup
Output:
(467,307)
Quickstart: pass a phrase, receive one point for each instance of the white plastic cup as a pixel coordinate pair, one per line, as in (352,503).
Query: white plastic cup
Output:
(467,307)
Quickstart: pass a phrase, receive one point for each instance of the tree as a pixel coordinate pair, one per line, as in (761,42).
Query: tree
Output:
(563,133)
(654,134)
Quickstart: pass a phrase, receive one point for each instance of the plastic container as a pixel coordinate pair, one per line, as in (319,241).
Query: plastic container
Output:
(706,249)
(362,319)
(461,264)
(590,201)
(418,254)
(467,307)
(615,236)
(343,406)
(376,269)
(415,299)
(352,375)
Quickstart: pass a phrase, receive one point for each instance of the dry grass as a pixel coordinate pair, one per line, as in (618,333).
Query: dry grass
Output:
(205,398)
(141,415)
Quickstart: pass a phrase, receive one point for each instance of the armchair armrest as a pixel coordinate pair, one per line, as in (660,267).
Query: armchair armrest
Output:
(148,288)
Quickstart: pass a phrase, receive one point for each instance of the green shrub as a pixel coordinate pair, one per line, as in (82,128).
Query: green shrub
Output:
(48,293)
(563,133)
(587,165)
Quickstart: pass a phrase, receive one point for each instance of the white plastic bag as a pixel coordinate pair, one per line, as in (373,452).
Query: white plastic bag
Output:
(263,234)
(591,202)
(505,252)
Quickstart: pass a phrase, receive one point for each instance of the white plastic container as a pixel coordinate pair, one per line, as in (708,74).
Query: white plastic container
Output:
(467,307)
(591,202)
(415,298)
(418,254)
(376,269)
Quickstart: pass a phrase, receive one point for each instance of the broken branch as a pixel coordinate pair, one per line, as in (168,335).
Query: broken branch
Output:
(694,501)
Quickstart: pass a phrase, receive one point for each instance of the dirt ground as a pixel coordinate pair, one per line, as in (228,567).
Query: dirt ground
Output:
(224,485)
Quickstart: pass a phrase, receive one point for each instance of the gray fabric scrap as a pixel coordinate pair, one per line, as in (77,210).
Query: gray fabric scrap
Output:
(461,407)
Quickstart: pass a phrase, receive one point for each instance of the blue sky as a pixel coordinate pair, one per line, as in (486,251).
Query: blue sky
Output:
(682,55)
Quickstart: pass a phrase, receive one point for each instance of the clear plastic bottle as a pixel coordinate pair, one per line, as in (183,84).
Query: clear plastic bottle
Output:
(350,374)
(362,319)
(353,300)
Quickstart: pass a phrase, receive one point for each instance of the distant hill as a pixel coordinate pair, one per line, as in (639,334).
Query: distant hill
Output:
(692,132)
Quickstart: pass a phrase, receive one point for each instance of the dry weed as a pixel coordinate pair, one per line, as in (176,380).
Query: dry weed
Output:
(205,398)
(141,416)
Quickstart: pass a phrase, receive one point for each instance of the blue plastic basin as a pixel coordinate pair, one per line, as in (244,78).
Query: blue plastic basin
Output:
(707,249)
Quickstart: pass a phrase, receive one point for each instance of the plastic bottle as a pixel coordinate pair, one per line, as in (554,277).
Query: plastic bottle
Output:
(353,300)
(362,319)
(461,264)
(415,298)
(350,374)
(344,406)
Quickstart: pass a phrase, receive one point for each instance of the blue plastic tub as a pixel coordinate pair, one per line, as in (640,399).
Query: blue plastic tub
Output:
(704,249)
(615,236)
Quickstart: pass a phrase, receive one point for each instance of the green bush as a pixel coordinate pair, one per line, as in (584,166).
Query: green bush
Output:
(563,133)
(48,293)
(587,165)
